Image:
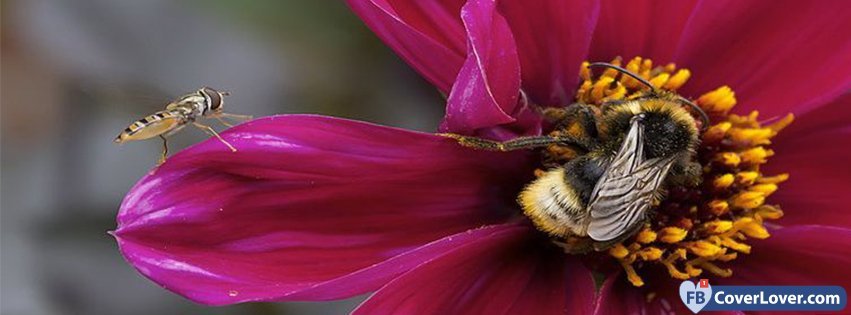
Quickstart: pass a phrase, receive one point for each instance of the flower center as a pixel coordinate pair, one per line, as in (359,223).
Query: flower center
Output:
(701,227)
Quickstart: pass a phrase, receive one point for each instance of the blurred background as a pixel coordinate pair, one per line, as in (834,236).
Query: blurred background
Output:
(75,73)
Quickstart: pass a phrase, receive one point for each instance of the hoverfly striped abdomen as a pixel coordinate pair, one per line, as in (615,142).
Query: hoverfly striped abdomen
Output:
(159,123)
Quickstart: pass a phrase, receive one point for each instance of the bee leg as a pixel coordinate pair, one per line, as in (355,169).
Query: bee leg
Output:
(685,172)
(517,143)
(584,115)
(213,132)
(165,151)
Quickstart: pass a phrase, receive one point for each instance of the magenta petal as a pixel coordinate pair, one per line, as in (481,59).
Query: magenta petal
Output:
(553,37)
(507,273)
(618,296)
(644,28)
(305,202)
(426,34)
(813,151)
(801,255)
(779,56)
(488,85)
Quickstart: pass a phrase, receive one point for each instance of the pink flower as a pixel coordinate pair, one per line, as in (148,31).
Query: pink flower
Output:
(320,208)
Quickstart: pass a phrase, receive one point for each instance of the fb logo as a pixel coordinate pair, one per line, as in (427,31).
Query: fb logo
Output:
(694,296)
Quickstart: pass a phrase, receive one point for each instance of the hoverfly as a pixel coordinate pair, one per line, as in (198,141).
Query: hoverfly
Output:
(204,103)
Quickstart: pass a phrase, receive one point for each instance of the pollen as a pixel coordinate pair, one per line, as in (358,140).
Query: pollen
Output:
(697,231)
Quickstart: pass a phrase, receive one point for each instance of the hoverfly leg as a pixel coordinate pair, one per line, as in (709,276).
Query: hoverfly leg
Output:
(213,132)
(223,121)
(165,151)
(239,118)
(236,116)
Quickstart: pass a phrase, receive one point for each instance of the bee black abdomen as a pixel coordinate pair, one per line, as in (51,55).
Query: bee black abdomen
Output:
(582,173)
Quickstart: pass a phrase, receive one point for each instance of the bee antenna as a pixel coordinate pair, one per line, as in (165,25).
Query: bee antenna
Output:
(703,116)
(622,70)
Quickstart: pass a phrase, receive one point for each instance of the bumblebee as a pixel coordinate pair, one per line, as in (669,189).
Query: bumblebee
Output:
(206,102)
(628,151)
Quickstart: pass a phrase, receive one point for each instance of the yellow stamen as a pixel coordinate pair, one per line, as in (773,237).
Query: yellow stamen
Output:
(723,181)
(746,178)
(618,251)
(676,81)
(703,248)
(645,236)
(765,189)
(672,234)
(729,159)
(731,243)
(718,207)
(721,100)
(650,253)
(751,228)
(773,179)
(669,263)
(659,80)
(708,266)
(632,276)
(752,136)
(782,123)
(769,212)
(718,226)
(748,200)
(599,89)
(716,132)
(584,71)
(756,155)
(692,271)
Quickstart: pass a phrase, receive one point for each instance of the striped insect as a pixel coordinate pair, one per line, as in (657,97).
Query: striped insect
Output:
(204,103)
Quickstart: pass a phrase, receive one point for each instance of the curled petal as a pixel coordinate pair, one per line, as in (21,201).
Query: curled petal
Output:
(506,273)
(553,37)
(779,56)
(428,35)
(488,85)
(304,203)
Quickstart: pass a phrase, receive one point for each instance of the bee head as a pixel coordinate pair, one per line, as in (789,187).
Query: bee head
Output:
(214,98)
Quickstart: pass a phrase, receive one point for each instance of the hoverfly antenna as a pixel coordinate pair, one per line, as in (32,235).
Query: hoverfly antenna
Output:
(622,70)
(703,116)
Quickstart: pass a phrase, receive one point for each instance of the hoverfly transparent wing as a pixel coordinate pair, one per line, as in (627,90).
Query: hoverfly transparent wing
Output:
(622,196)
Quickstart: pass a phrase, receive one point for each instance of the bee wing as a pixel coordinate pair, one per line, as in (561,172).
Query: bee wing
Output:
(625,192)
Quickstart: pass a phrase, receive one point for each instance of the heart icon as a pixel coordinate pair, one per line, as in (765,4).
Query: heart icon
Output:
(695,297)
